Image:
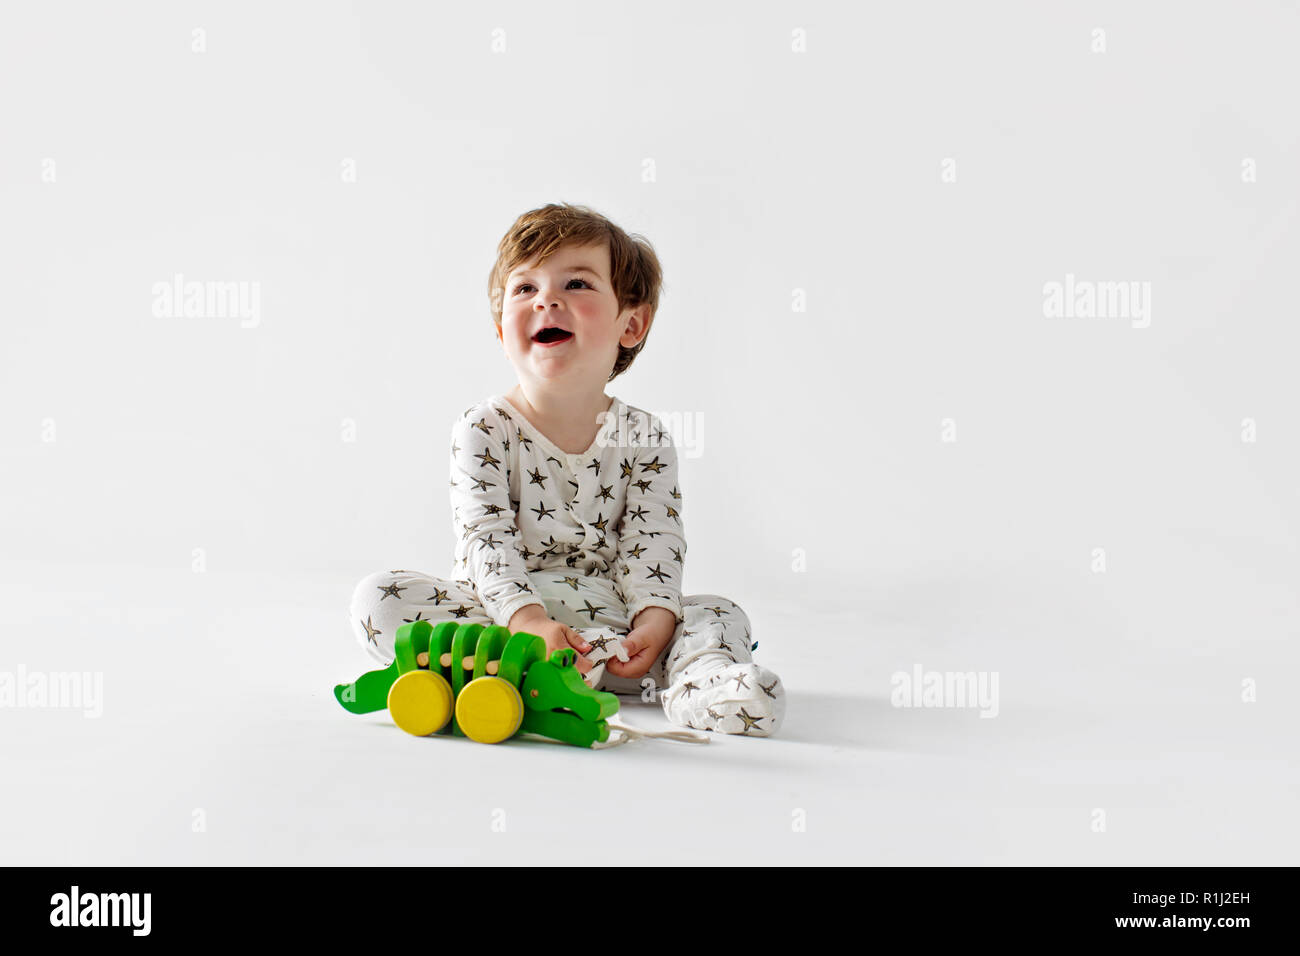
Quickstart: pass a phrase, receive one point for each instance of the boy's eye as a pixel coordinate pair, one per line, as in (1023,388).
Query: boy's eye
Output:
(529,285)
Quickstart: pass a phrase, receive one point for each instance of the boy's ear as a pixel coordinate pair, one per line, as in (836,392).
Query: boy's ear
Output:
(637,327)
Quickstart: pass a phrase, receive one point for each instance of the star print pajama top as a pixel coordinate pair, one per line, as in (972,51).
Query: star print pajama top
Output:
(520,505)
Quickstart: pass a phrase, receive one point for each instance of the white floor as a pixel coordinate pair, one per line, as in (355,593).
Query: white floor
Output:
(220,742)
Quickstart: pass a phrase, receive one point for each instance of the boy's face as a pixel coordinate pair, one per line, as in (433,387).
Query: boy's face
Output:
(571,291)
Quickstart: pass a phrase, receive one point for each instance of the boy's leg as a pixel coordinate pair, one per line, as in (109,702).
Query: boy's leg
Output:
(711,680)
(386,600)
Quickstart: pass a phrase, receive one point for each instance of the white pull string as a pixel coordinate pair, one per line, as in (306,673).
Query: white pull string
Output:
(631,733)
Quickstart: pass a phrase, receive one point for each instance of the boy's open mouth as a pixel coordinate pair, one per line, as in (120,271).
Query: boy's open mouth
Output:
(551,336)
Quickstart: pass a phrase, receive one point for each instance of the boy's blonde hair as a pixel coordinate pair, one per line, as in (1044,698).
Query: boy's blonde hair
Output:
(538,233)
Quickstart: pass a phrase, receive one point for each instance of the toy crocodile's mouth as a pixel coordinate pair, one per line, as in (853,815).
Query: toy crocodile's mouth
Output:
(566,712)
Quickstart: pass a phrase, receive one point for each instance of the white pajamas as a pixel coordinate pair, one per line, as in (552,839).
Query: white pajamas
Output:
(594,538)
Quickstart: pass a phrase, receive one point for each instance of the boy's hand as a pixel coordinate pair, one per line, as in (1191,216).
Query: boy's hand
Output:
(650,634)
(534,620)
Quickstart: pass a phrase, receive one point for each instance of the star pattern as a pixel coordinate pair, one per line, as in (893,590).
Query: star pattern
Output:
(608,514)
(371,631)
(590,609)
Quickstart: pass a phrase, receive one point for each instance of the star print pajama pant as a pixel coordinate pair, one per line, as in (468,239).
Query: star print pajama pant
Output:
(705,677)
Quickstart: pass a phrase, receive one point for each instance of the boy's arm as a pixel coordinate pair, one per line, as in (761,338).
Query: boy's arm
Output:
(651,543)
(483,516)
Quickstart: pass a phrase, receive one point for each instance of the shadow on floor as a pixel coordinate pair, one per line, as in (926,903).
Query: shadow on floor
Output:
(873,723)
(845,720)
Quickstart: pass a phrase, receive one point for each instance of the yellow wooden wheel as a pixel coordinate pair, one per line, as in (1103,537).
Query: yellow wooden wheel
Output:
(420,702)
(489,710)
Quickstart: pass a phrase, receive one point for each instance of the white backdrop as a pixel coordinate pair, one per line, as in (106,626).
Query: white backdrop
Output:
(904,459)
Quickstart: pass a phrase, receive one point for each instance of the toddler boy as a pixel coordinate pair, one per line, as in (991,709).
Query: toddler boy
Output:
(566,502)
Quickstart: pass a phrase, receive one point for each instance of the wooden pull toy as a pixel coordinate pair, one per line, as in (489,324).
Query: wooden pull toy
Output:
(504,685)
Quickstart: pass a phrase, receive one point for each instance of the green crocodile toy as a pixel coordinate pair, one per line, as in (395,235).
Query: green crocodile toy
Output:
(483,683)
